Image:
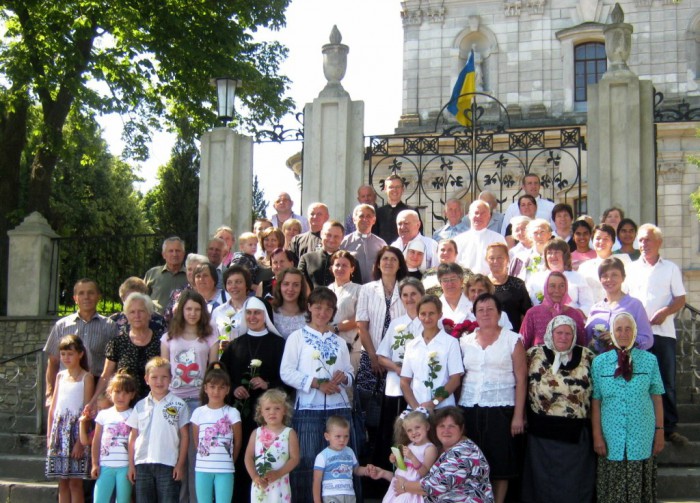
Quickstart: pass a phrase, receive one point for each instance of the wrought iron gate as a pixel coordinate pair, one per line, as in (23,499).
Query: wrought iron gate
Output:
(461,161)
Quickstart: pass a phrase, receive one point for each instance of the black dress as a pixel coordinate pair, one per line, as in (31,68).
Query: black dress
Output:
(514,299)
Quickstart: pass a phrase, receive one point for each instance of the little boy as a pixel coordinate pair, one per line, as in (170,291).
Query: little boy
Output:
(248,245)
(335,465)
(159,438)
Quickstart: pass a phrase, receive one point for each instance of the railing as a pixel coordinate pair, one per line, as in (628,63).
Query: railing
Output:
(22,393)
(109,260)
(688,329)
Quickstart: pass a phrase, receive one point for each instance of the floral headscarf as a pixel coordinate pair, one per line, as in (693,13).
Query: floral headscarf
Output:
(560,357)
(556,307)
(624,355)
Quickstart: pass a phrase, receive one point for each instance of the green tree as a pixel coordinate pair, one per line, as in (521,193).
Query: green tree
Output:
(149,61)
(259,203)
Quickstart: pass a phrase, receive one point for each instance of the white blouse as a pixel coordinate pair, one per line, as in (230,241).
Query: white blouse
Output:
(414,327)
(371,307)
(489,379)
(460,313)
(307,354)
(347,306)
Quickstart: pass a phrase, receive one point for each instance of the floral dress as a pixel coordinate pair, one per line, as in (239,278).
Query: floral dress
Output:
(271,453)
(410,474)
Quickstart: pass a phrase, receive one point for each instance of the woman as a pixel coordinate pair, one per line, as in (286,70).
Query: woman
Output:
(539,231)
(205,278)
(343,266)
(558,424)
(130,351)
(528,208)
(494,390)
(431,370)
(134,284)
(259,341)
(627,235)
(226,233)
(627,417)
(611,272)
(554,303)
(509,290)
(456,307)
(316,363)
(280,259)
(377,305)
(557,257)
(228,317)
(290,228)
(582,239)
(475,286)
(289,301)
(192,261)
(461,473)
(520,253)
(270,240)
(447,254)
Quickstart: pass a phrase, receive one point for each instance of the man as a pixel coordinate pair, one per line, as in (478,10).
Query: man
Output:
(162,280)
(311,240)
(454,225)
(316,265)
(472,244)
(531,185)
(362,243)
(658,284)
(283,206)
(365,195)
(408,226)
(388,214)
(216,249)
(603,241)
(95,330)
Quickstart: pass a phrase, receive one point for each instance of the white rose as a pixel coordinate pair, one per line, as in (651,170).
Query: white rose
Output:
(600,327)
(432,354)
(400,328)
(255,362)
(316,354)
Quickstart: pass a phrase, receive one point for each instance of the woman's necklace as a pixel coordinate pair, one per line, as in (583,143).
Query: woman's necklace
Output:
(388,292)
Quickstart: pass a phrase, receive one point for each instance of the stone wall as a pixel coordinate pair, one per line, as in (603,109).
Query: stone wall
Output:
(20,335)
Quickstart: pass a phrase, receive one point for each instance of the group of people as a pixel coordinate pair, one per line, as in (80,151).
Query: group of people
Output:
(447,367)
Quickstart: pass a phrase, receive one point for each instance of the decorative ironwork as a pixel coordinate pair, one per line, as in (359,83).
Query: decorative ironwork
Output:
(22,393)
(688,330)
(680,112)
(279,133)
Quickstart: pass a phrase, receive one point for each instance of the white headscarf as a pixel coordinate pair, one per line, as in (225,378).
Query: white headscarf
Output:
(560,357)
(256,303)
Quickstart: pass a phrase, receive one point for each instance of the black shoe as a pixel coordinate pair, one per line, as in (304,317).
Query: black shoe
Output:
(677,439)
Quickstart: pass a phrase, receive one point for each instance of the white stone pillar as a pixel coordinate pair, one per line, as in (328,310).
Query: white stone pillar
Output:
(621,166)
(225,183)
(333,139)
(31,285)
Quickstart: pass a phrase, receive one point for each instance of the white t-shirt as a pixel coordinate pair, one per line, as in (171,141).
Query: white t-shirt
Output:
(215,447)
(413,327)
(114,444)
(337,467)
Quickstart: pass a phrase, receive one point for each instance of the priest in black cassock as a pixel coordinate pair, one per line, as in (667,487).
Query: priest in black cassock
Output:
(385,227)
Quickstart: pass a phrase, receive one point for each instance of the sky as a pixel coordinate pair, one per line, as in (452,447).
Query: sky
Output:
(371,28)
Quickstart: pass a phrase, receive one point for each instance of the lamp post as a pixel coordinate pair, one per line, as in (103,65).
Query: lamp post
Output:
(225,94)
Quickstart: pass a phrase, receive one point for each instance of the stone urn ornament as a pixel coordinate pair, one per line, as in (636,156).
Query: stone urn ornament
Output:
(335,62)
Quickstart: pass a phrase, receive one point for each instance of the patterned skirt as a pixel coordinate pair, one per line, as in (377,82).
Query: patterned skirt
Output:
(59,462)
(626,481)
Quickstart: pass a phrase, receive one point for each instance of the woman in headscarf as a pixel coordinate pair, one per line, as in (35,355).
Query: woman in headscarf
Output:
(559,400)
(627,417)
(554,303)
(253,361)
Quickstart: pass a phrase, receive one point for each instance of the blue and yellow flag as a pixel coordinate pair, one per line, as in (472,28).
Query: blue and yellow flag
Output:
(466,83)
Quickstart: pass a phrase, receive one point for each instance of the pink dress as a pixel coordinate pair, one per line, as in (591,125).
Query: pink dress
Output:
(410,474)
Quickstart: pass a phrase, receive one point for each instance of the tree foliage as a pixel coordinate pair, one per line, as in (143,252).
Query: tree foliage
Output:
(259,203)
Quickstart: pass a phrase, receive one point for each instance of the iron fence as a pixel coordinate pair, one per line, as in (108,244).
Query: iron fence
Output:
(688,330)
(22,393)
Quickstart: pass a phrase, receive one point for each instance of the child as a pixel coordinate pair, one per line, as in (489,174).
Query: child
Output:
(66,457)
(582,239)
(273,449)
(158,439)
(336,464)
(248,246)
(217,432)
(418,455)
(87,423)
(110,446)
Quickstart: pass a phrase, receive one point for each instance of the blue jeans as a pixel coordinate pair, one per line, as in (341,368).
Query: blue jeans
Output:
(665,351)
(154,482)
(210,484)
(106,482)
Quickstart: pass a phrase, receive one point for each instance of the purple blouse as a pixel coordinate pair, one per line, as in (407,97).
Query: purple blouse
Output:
(601,314)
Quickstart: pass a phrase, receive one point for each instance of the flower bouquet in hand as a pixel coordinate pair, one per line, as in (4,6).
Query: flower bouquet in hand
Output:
(399,345)
(244,406)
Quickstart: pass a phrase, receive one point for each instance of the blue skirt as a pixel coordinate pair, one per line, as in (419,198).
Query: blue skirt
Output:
(310,425)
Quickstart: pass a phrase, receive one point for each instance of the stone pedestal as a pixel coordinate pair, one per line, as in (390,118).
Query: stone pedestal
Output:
(31,286)
(621,166)
(225,183)
(333,139)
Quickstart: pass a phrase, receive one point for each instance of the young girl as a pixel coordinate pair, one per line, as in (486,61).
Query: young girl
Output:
(190,344)
(273,449)
(582,239)
(66,457)
(412,434)
(216,428)
(110,452)
(87,423)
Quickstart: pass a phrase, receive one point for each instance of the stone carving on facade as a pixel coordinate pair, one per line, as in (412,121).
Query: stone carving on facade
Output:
(618,43)
(512,8)
(411,17)
(335,62)
(436,15)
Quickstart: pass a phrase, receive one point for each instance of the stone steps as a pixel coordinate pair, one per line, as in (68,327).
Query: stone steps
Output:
(682,483)
(21,491)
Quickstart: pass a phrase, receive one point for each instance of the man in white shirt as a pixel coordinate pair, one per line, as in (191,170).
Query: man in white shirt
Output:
(472,244)
(658,284)
(408,225)
(362,243)
(454,226)
(283,206)
(531,185)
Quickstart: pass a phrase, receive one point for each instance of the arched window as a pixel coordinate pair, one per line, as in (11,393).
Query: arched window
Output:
(590,64)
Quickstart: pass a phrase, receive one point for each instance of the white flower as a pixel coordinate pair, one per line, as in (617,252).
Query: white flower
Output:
(600,327)
(432,354)
(255,362)
(316,354)
(400,328)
